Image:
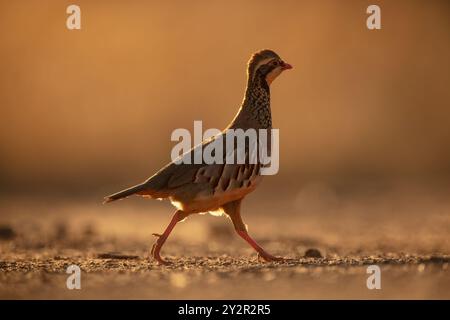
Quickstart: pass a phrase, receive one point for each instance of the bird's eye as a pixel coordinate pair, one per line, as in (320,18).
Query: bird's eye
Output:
(274,63)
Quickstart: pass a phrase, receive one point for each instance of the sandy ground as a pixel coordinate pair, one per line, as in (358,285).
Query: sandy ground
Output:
(40,239)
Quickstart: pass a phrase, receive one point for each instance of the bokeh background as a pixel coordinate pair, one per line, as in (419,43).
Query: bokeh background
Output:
(90,109)
(364,116)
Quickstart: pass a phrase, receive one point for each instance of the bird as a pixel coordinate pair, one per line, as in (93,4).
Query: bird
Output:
(218,187)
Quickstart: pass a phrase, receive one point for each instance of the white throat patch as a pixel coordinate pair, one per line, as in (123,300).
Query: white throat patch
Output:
(264,61)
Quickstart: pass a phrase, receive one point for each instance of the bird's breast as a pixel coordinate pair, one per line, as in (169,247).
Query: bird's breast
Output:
(231,183)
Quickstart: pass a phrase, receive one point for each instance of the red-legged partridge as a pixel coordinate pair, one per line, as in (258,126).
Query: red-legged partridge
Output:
(196,188)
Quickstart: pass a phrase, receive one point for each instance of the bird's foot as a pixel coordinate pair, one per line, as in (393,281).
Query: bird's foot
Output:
(268,257)
(155,251)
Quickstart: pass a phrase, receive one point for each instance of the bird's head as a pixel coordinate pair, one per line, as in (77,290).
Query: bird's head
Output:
(267,65)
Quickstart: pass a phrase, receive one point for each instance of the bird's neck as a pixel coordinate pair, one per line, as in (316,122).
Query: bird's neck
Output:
(255,109)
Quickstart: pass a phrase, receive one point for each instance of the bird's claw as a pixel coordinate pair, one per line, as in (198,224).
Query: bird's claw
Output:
(155,253)
(161,261)
(269,258)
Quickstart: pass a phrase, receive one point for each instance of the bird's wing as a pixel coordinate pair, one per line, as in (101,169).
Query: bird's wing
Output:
(216,176)
(175,175)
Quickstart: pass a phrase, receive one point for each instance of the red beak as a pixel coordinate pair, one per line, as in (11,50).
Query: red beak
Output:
(286,66)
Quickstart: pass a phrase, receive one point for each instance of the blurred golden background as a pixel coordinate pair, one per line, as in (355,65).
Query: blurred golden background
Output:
(91,111)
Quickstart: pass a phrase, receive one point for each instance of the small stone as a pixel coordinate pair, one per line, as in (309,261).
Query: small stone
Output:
(6,233)
(313,253)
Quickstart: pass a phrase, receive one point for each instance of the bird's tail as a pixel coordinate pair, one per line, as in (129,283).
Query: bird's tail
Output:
(124,193)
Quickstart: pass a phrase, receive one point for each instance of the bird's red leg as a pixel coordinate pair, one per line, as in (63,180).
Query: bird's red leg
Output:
(261,252)
(177,217)
(233,210)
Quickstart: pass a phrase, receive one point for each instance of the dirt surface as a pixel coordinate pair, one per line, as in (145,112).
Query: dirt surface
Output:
(224,276)
(328,258)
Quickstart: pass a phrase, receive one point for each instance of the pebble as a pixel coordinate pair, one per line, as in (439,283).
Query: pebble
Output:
(313,253)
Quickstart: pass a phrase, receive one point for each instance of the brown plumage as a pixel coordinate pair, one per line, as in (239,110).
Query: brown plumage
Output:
(195,188)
